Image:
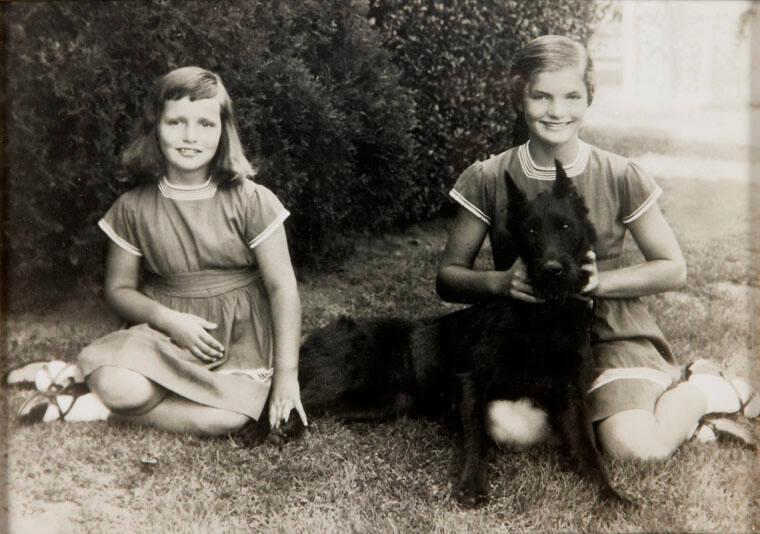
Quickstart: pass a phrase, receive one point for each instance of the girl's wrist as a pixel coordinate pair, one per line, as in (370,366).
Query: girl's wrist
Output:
(161,318)
(598,291)
(287,371)
(497,283)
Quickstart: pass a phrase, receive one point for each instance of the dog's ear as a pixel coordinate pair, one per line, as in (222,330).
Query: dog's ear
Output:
(562,184)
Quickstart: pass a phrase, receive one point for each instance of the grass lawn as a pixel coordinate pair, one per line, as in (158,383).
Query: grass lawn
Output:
(394,477)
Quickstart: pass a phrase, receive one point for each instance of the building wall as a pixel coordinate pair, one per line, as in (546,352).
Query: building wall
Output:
(665,54)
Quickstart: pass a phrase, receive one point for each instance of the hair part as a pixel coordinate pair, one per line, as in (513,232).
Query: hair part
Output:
(142,158)
(549,53)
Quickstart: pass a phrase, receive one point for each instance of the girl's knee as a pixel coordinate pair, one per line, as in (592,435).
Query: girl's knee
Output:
(123,390)
(222,422)
(516,424)
(633,434)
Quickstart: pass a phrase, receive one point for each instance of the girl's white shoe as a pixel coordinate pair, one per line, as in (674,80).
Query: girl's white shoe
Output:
(62,395)
(724,394)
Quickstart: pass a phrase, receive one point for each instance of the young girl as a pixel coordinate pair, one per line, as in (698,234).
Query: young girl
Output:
(198,263)
(640,407)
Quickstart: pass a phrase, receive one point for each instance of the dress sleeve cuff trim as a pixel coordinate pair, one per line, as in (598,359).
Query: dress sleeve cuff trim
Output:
(469,206)
(269,230)
(118,240)
(644,207)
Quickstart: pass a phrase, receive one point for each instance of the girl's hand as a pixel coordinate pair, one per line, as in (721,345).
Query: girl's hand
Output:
(191,332)
(517,285)
(285,396)
(593,274)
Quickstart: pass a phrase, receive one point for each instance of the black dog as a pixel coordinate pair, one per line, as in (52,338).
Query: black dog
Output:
(502,349)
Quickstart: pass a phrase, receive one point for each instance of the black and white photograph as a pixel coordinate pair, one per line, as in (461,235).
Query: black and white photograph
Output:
(382,266)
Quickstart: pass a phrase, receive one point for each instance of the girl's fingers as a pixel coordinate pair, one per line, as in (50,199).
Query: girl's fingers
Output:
(280,412)
(525,297)
(209,340)
(274,415)
(273,420)
(301,413)
(198,353)
(522,287)
(523,291)
(277,414)
(208,350)
(208,325)
(592,284)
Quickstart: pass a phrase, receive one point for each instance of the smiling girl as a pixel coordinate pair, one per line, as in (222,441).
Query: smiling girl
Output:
(639,406)
(198,265)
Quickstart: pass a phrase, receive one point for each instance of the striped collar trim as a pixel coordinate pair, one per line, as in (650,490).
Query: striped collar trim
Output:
(187,192)
(538,172)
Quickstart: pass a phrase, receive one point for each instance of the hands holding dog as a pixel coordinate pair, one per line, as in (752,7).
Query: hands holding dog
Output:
(589,266)
(517,285)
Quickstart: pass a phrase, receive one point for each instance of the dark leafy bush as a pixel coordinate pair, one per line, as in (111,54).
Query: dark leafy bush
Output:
(359,113)
(317,99)
(455,56)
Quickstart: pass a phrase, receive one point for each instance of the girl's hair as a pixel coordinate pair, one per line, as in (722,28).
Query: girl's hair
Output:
(546,54)
(142,158)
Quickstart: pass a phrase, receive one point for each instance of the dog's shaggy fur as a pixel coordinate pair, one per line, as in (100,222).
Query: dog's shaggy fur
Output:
(503,349)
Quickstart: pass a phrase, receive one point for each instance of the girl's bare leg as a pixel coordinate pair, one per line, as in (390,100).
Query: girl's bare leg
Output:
(645,435)
(132,398)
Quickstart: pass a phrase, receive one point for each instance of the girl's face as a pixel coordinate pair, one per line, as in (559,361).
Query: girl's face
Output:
(555,104)
(188,133)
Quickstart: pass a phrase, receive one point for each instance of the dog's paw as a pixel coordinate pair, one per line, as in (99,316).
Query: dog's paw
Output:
(471,492)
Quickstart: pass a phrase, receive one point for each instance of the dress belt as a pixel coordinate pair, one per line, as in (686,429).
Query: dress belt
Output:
(207,283)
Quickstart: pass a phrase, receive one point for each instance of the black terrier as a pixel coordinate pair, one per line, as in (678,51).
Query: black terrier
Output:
(503,349)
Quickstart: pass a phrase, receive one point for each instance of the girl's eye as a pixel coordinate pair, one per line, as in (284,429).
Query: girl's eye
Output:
(172,122)
(208,124)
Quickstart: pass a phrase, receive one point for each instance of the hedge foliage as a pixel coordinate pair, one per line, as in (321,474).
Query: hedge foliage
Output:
(455,56)
(359,114)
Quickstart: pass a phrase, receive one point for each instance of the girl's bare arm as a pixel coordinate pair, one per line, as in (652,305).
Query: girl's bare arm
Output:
(663,270)
(121,290)
(274,262)
(458,282)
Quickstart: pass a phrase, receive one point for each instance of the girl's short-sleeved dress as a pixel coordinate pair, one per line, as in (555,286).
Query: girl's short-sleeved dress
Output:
(196,246)
(635,363)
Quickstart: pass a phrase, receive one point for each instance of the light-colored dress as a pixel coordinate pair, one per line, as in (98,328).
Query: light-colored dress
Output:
(635,363)
(196,246)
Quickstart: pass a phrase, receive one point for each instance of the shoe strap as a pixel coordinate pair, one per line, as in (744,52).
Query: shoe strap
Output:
(688,371)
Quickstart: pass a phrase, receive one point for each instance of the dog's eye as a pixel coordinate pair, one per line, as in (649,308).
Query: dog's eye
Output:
(565,226)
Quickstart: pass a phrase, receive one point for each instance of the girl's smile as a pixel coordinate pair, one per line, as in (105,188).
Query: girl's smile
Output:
(555,125)
(555,105)
(189,151)
(189,132)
